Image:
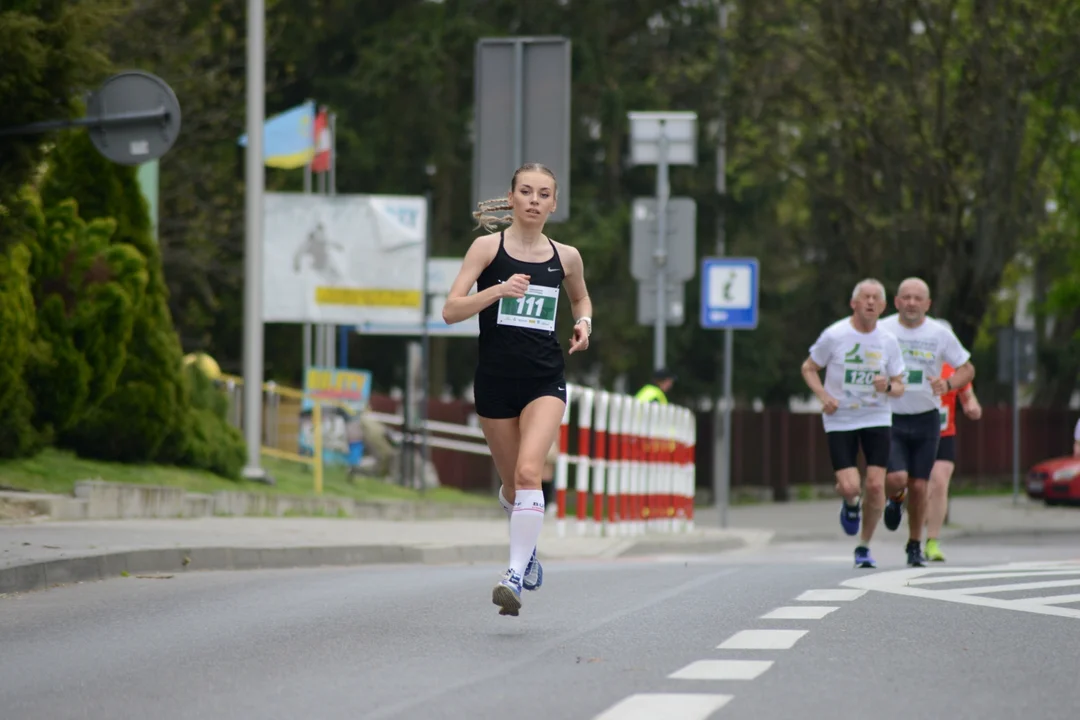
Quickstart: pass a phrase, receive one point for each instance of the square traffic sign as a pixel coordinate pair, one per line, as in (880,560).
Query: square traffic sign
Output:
(729,293)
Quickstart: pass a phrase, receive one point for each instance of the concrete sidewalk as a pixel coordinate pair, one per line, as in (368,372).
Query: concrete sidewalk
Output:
(993,515)
(44,553)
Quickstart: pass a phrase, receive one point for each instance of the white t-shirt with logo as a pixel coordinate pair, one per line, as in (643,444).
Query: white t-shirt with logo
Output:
(851,360)
(925,348)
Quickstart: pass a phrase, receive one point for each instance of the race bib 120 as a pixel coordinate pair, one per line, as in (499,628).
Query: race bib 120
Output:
(535,311)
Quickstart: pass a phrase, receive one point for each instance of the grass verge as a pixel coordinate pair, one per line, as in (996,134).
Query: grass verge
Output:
(56,471)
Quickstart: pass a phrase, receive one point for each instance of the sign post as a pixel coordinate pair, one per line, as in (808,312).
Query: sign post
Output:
(730,288)
(662,139)
(522,101)
(1016,365)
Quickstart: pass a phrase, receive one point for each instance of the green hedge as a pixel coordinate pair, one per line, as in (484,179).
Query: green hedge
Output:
(152,411)
(17,434)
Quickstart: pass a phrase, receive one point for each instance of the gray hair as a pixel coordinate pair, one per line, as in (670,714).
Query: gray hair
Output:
(869,281)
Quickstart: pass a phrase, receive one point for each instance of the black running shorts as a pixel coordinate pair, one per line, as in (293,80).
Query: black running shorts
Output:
(844,447)
(914,445)
(500,398)
(946,448)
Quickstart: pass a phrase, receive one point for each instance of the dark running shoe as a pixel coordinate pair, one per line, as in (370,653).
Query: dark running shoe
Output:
(914,554)
(863,559)
(849,517)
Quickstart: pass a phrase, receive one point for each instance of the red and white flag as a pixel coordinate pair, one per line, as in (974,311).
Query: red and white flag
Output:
(321,161)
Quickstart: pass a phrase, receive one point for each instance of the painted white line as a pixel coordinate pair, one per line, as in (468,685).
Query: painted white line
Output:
(1014,586)
(969,577)
(832,558)
(649,706)
(896,583)
(799,612)
(832,595)
(762,640)
(722,670)
(1053,600)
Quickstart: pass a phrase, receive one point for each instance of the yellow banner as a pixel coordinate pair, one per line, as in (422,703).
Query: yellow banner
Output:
(367,298)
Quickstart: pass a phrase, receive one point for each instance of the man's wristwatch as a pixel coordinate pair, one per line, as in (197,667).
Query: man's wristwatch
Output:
(588,324)
(888,388)
(948,384)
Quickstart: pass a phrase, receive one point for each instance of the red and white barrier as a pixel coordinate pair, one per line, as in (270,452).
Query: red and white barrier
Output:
(636,458)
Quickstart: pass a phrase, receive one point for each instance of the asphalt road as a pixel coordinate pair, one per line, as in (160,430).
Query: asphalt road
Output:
(792,631)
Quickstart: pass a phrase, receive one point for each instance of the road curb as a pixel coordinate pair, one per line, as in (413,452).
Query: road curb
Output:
(949,534)
(41,574)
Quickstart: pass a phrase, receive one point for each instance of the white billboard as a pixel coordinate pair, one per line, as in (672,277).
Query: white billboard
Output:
(343,259)
(441,274)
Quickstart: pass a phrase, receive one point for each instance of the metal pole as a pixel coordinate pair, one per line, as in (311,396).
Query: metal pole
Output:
(662,192)
(1016,414)
(331,190)
(725,484)
(425,341)
(307,325)
(519,102)
(722,408)
(254,179)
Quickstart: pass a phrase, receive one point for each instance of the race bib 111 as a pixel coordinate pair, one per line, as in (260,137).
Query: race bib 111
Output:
(535,311)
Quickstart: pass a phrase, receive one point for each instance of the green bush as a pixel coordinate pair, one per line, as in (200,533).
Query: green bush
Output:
(157,412)
(211,442)
(150,400)
(17,435)
(85,291)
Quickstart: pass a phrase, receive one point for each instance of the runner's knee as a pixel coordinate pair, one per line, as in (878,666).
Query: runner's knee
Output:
(527,475)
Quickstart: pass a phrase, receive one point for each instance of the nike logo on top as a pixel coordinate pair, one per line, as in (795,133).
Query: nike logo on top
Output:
(553,269)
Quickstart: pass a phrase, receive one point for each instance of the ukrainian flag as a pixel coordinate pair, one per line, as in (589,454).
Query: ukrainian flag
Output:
(289,137)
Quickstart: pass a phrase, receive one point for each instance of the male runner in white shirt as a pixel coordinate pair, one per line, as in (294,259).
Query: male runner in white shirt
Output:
(916,417)
(863,368)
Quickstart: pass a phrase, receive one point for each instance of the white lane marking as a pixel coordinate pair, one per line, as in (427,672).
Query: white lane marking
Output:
(722,670)
(968,577)
(649,706)
(799,612)
(762,640)
(832,558)
(901,582)
(1053,600)
(1046,584)
(832,595)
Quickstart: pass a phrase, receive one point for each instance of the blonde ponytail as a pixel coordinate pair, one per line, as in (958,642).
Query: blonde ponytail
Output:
(486,216)
(485,211)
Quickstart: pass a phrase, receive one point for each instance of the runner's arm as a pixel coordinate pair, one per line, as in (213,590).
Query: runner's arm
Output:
(459,304)
(962,375)
(580,303)
(810,370)
(897,386)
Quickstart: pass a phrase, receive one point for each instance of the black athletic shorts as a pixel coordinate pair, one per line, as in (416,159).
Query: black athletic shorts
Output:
(844,447)
(946,448)
(499,398)
(914,444)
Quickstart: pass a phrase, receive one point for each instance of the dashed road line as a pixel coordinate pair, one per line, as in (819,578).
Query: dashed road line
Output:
(722,670)
(762,640)
(799,612)
(649,706)
(831,595)
(701,706)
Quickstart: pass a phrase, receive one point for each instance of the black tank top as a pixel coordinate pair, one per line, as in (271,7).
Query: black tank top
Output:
(517,335)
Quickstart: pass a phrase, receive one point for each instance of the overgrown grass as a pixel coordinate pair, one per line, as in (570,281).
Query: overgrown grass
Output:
(56,471)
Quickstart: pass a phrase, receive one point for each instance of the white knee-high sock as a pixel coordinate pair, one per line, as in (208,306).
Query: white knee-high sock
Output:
(526,522)
(506,505)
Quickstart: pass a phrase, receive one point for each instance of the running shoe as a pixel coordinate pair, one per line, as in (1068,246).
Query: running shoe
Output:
(849,517)
(863,559)
(507,594)
(894,510)
(534,574)
(914,554)
(933,551)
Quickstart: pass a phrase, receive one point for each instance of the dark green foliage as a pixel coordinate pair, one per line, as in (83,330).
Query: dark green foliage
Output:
(17,435)
(150,399)
(85,291)
(211,443)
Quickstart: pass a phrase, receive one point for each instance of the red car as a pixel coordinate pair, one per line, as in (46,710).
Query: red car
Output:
(1056,481)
